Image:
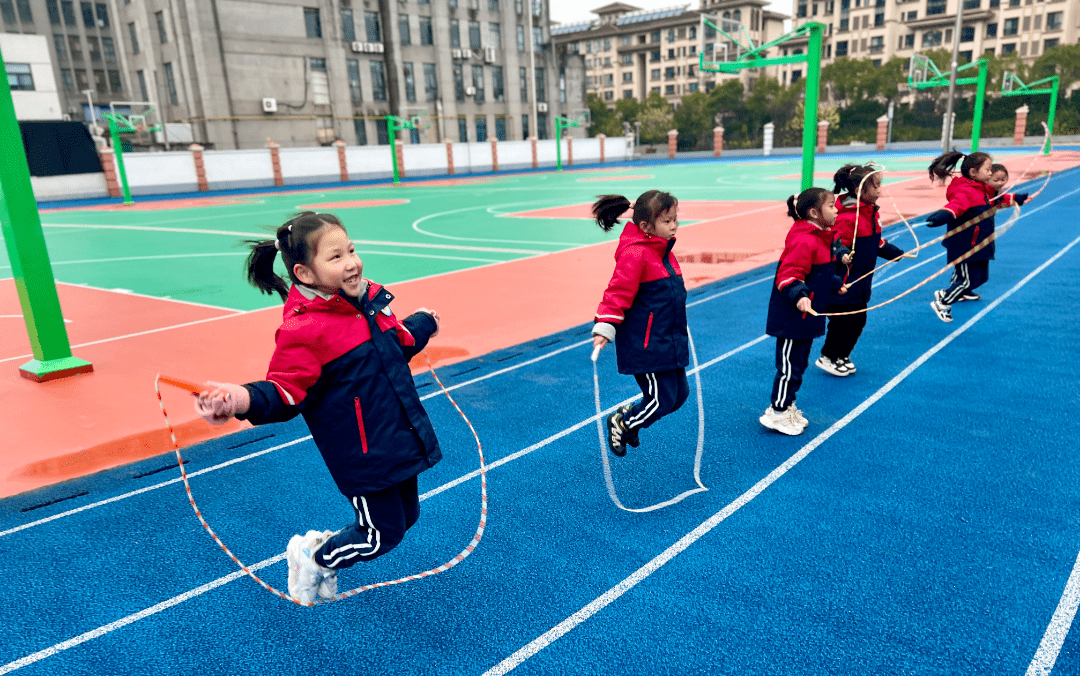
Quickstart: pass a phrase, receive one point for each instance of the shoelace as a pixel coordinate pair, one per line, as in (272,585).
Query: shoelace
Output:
(196,388)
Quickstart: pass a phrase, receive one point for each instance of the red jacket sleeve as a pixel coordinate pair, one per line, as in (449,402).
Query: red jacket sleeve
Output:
(794,264)
(845,228)
(294,367)
(623,287)
(964,199)
(1005,200)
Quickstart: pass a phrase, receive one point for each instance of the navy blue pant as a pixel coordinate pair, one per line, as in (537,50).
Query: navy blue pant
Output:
(662,392)
(844,331)
(382,518)
(966,277)
(792,357)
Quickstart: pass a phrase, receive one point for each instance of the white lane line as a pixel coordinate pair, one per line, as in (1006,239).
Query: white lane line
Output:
(631,581)
(263,235)
(124,621)
(1043,662)
(128,292)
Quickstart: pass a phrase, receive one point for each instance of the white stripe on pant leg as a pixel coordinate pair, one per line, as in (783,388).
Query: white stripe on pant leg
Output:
(785,373)
(654,402)
(371,527)
(965,283)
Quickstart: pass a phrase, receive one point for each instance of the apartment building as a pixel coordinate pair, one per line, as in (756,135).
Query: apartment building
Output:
(307,72)
(882,29)
(632,53)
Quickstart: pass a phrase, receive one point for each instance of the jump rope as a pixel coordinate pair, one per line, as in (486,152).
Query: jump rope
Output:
(196,388)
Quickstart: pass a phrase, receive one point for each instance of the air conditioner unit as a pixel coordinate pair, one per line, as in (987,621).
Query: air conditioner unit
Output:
(466,53)
(541,107)
(456,53)
(373,47)
(269,105)
(470,91)
(357,47)
(489,54)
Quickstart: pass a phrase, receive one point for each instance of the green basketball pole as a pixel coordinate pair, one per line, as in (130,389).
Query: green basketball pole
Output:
(812,59)
(394,124)
(118,153)
(940,79)
(561,123)
(25,240)
(1026,90)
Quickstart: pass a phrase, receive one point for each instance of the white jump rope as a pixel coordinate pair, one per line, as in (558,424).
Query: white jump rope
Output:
(602,434)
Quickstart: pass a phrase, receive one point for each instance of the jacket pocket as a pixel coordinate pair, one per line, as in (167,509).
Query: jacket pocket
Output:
(648,330)
(360,424)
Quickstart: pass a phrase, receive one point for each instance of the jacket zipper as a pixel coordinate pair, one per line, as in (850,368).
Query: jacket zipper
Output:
(360,422)
(648,330)
(975,236)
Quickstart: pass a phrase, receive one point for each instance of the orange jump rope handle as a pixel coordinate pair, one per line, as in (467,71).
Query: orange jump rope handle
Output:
(194,388)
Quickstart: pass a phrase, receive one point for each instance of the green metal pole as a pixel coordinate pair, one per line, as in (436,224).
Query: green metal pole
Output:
(30,266)
(558,144)
(393,129)
(1050,115)
(118,153)
(980,96)
(810,117)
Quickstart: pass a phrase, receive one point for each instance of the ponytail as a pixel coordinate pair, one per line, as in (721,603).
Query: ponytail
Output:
(849,177)
(811,198)
(943,165)
(607,210)
(297,240)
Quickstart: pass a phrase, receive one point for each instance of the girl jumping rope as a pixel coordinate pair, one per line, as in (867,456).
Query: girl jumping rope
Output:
(342,361)
(859,187)
(969,196)
(805,280)
(644,311)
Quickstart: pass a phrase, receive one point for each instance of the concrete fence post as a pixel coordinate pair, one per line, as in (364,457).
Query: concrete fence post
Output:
(535,162)
(1021,126)
(822,135)
(275,160)
(400,157)
(108,166)
(717,141)
(767,139)
(494,154)
(200,167)
(449,155)
(882,131)
(602,138)
(343,165)
(672,143)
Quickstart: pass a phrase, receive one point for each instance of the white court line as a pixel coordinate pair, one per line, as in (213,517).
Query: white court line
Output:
(264,235)
(631,581)
(1043,662)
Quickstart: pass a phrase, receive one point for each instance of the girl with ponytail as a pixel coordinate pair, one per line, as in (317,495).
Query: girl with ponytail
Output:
(341,361)
(644,312)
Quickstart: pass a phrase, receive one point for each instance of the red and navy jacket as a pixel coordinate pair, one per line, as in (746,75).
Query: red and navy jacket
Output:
(646,301)
(969,199)
(864,241)
(343,363)
(805,271)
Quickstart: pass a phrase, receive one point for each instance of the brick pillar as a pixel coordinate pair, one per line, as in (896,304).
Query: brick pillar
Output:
(822,135)
(342,164)
(449,155)
(400,157)
(275,160)
(717,141)
(536,164)
(882,131)
(494,154)
(672,143)
(109,167)
(602,138)
(200,167)
(1021,126)
(570,150)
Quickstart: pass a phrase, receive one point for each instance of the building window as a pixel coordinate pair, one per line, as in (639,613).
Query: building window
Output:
(86,8)
(20,77)
(1008,49)
(500,128)
(403,29)
(609,96)
(142,85)
(60,47)
(493,5)
(931,39)
(474,34)
(170,85)
(972,4)
(378,81)
(455,34)
(628,93)
(935,7)
(54,12)
(356,94)
(463,130)
(360,127)
(75,47)
(498,91)
(967,34)
(521,38)
(627,59)
(108,48)
(1051,43)
(609,80)
(877,44)
(669,90)
(495,35)
(68,80)
(1010,26)
(478,83)
(627,77)
(427,37)
(67,8)
(101,85)
(541,94)
(372,27)
(312,22)
(538,38)
(481,128)
(459,83)
(94,47)
(524,77)
(382,133)
(163,37)
(879,19)
(410,82)
(841,48)
(114,81)
(909,41)
(1053,21)
(102,15)
(431,82)
(348,26)
(654,74)
(991,30)
(134,37)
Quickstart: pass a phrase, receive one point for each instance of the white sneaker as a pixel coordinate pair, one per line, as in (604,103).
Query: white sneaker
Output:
(306,576)
(827,365)
(328,583)
(781,421)
(848,366)
(798,416)
(943,311)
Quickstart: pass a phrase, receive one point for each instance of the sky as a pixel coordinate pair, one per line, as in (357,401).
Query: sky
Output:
(576,11)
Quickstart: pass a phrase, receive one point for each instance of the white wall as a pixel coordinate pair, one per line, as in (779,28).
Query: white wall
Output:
(43,103)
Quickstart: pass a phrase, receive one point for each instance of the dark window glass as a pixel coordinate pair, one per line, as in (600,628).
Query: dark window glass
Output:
(426,35)
(54,11)
(410,82)
(360,127)
(403,29)
(348,26)
(382,134)
(378,81)
(355,93)
(102,15)
(431,82)
(373,27)
(312,23)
